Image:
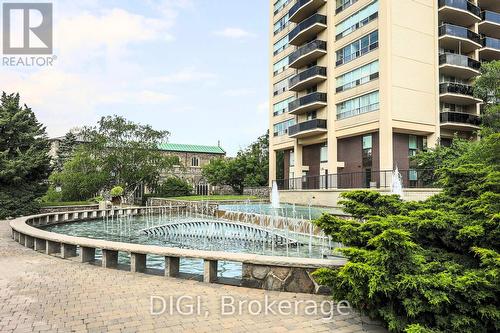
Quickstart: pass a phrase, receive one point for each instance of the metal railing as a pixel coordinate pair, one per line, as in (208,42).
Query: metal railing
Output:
(307,99)
(306,74)
(459,60)
(458,31)
(459,117)
(307,126)
(490,16)
(461,4)
(308,22)
(491,43)
(456,88)
(309,47)
(411,178)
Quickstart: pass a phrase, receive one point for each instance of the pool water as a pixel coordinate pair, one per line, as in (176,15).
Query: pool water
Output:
(129,230)
(285,210)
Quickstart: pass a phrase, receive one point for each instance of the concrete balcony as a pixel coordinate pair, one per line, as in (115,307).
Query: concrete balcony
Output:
(458,65)
(307,29)
(459,121)
(302,9)
(493,5)
(308,128)
(307,54)
(490,24)
(460,12)
(490,50)
(460,39)
(457,93)
(307,103)
(307,78)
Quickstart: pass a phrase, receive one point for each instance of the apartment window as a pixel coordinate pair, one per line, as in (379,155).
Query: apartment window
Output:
(358,76)
(280,45)
(282,107)
(358,105)
(195,161)
(323,153)
(343,4)
(358,48)
(445,78)
(292,159)
(281,24)
(280,66)
(279,4)
(311,115)
(367,151)
(280,87)
(447,107)
(357,20)
(282,128)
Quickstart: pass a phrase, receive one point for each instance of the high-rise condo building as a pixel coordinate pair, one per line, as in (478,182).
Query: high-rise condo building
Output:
(358,86)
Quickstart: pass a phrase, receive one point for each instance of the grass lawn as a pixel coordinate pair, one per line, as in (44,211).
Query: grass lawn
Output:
(67,203)
(216,197)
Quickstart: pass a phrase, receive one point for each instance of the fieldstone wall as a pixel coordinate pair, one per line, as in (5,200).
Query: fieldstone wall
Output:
(52,209)
(291,279)
(261,192)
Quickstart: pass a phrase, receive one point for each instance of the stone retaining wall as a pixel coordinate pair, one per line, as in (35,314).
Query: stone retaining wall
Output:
(261,192)
(51,209)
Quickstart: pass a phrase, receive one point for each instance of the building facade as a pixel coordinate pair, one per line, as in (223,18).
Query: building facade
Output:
(358,86)
(191,160)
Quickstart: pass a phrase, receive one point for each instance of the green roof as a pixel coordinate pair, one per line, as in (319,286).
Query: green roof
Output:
(191,148)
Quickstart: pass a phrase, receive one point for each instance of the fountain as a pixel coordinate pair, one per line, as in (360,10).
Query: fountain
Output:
(275,196)
(396,184)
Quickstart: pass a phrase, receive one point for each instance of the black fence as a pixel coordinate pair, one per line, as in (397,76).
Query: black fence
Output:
(412,178)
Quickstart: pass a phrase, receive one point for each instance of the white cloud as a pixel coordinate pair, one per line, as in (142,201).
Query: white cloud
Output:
(237,92)
(234,33)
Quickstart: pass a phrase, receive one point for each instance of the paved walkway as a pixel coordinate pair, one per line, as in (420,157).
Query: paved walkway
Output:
(45,293)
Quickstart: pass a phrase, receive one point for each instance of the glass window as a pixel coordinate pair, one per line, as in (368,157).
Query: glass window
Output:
(324,153)
(282,106)
(279,4)
(281,24)
(280,87)
(412,142)
(358,105)
(357,48)
(292,158)
(367,141)
(357,76)
(280,66)
(195,161)
(282,127)
(280,45)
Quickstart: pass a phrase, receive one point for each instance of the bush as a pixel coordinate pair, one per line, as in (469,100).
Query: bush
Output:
(52,195)
(174,187)
(116,191)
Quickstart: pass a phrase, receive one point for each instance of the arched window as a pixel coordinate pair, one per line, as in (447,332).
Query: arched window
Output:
(195,161)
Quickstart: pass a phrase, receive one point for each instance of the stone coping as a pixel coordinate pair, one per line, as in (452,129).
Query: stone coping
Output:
(22,226)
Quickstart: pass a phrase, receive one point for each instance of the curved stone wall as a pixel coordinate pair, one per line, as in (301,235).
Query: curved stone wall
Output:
(297,277)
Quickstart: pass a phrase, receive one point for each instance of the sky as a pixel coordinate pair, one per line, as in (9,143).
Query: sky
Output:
(197,68)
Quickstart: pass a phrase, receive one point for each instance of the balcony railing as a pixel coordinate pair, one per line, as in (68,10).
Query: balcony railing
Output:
(315,97)
(456,88)
(490,16)
(461,4)
(304,8)
(458,117)
(491,43)
(458,31)
(306,74)
(308,48)
(459,60)
(308,22)
(307,126)
(412,178)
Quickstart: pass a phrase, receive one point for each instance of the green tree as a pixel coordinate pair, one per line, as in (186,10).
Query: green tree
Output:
(250,167)
(24,159)
(487,88)
(175,187)
(81,177)
(127,152)
(431,266)
(65,150)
